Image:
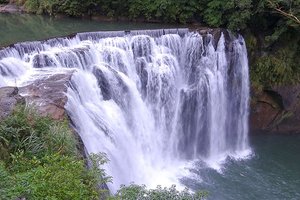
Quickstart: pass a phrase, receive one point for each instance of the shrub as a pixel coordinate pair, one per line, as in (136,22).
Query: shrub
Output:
(275,69)
(26,131)
(133,192)
(39,160)
(51,177)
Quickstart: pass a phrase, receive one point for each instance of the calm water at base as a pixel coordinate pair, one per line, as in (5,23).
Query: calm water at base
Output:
(24,27)
(272,173)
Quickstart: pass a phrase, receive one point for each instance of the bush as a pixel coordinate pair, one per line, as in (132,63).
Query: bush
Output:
(40,160)
(51,177)
(133,192)
(277,69)
(37,136)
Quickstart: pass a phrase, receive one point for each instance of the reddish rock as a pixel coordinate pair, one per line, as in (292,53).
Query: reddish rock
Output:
(276,110)
(48,95)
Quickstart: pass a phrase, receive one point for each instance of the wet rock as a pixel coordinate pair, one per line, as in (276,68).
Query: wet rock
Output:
(48,95)
(276,110)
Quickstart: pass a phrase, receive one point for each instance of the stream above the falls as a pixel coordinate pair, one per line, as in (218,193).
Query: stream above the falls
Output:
(26,27)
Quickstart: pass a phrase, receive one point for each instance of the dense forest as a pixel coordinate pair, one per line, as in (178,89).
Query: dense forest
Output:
(271,27)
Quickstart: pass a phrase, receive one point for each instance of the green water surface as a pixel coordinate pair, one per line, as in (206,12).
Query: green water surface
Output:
(24,27)
(272,173)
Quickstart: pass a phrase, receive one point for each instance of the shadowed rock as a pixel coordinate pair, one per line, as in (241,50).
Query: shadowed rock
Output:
(9,98)
(48,95)
(276,110)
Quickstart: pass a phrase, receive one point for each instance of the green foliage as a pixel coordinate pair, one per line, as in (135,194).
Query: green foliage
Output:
(288,10)
(33,6)
(274,58)
(6,181)
(70,7)
(168,11)
(40,160)
(25,131)
(52,177)
(52,7)
(97,161)
(231,14)
(275,69)
(133,192)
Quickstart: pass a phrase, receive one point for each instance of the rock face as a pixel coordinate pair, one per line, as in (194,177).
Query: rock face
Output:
(9,98)
(11,8)
(276,110)
(47,95)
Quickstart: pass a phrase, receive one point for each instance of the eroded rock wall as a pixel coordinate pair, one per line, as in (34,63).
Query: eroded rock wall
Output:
(276,110)
(47,95)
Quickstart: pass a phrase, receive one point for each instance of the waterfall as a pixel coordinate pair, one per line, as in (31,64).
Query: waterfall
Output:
(152,100)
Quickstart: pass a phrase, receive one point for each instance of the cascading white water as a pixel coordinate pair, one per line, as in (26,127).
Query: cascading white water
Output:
(151,100)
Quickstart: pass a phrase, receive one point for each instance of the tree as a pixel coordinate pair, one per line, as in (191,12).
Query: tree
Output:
(288,9)
(231,14)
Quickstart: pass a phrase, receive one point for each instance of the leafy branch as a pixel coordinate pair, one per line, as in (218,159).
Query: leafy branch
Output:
(289,14)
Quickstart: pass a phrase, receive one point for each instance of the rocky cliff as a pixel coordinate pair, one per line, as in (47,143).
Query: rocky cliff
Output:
(276,110)
(47,95)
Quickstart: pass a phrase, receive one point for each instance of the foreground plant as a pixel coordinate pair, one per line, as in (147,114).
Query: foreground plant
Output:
(40,160)
(137,192)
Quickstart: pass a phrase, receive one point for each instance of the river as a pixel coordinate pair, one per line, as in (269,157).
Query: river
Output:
(17,28)
(271,173)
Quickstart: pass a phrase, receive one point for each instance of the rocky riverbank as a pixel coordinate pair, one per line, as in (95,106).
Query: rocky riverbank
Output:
(11,8)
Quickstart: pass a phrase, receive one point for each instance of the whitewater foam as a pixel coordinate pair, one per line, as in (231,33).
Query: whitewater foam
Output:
(153,101)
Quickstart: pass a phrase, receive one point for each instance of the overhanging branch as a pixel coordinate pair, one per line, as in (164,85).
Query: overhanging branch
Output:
(284,13)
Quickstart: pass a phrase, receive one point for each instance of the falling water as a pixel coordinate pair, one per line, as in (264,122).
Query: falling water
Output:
(151,100)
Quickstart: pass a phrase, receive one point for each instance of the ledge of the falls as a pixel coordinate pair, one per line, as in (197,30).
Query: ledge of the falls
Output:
(46,94)
(276,110)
